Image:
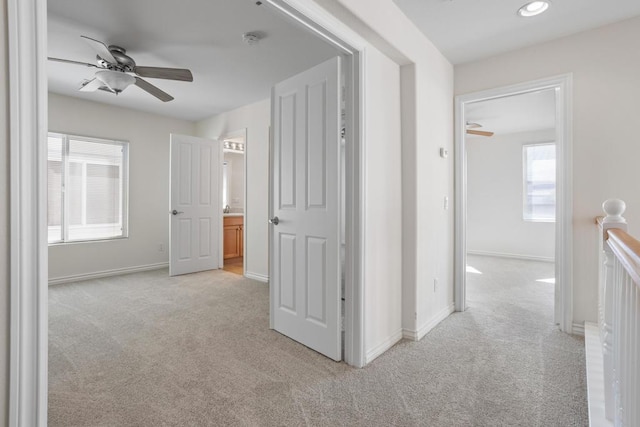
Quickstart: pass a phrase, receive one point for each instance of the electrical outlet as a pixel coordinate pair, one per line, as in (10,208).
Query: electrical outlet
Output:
(160,247)
(435,284)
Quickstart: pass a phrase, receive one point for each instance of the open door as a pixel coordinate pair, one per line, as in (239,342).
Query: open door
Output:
(305,299)
(195,208)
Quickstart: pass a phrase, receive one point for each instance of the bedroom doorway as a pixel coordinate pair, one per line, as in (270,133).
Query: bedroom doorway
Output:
(561,88)
(28,52)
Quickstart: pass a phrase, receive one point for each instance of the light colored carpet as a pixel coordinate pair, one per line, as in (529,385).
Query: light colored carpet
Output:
(149,350)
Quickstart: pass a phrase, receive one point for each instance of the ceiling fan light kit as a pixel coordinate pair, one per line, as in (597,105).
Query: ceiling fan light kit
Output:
(533,8)
(114,67)
(115,80)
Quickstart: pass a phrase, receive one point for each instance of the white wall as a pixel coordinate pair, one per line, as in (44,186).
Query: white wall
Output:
(495,200)
(605,64)
(426,125)
(383,205)
(255,118)
(148,137)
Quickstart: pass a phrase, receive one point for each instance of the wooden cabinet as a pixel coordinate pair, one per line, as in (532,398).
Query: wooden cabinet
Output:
(233,236)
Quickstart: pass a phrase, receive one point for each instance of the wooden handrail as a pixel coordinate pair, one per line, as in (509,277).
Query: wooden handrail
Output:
(627,250)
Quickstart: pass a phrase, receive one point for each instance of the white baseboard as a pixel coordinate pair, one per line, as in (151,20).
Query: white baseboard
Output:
(432,323)
(514,256)
(256,276)
(595,376)
(577,328)
(107,273)
(383,346)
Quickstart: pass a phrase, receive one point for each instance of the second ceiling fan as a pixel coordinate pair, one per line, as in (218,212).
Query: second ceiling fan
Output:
(472,129)
(115,69)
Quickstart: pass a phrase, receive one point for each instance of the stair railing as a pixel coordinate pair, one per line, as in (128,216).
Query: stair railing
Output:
(619,315)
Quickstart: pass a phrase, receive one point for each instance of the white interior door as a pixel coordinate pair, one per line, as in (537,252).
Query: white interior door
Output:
(305,209)
(195,208)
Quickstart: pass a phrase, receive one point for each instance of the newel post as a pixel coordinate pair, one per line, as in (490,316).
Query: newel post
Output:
(613,208)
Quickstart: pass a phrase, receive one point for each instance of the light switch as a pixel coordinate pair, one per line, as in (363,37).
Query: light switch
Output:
(446,203)
(444,153)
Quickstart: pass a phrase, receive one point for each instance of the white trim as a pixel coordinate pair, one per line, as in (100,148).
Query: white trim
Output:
(27,43)
(107,273)
(255,276)
(595,376)
(563,86)
(383,346)
(355,190)
(322,23)
(578,328)
(512,256)
(427,327)
(335,32)
(460,214)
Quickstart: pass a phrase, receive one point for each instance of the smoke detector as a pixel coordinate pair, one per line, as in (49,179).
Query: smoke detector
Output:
(251,38)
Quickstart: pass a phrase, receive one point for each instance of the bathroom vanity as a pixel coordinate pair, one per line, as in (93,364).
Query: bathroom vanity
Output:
(233,225)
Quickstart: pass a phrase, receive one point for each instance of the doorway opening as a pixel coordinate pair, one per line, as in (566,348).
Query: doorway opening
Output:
(524,164)
(511,180)
(28,41)
(234,210)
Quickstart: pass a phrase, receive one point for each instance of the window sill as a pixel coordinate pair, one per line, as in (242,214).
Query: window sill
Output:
(538,220)
(77,242)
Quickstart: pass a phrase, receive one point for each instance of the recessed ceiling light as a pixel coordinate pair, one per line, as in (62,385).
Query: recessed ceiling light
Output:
(533,8)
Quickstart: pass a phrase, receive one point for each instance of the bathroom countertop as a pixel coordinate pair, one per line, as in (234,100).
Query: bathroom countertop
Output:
(233,214)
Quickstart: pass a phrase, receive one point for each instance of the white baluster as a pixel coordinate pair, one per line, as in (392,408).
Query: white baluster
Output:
(616,326)
(635,358)
(614,209)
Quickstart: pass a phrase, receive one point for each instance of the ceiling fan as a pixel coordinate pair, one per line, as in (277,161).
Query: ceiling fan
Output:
(115,69)
(472,129)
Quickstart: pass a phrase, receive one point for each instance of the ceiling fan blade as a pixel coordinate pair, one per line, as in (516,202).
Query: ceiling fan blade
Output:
(165,73)
(101,49)
(68,61)
(153,90)
(479,132)
(91,85)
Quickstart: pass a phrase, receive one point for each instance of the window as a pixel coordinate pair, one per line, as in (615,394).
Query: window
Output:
(539,162)
(87,188)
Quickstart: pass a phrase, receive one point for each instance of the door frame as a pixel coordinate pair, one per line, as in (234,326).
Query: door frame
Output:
(563,86)
(28,124)
(326,26)
(241,133)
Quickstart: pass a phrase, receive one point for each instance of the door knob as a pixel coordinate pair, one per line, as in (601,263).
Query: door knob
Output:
(175,212)
(274,220)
